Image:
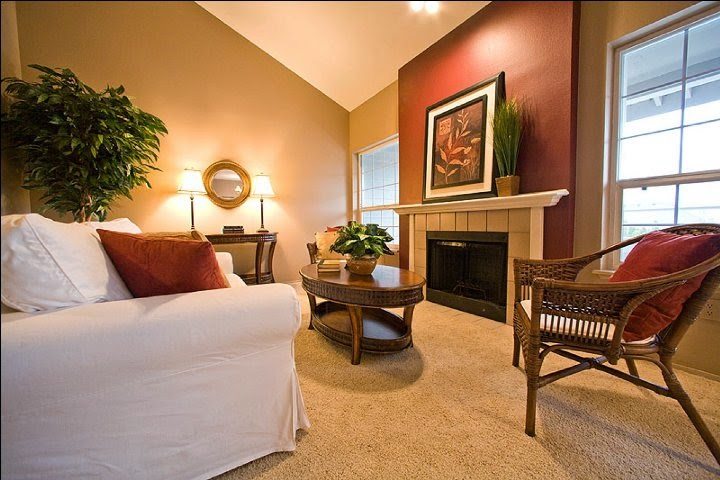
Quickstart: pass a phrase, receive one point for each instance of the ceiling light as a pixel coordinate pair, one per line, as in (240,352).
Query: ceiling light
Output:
(432,7)
(417,6)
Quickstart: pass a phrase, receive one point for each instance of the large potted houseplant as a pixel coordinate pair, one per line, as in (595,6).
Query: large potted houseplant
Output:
(82,148)
(363,245)
(508,125)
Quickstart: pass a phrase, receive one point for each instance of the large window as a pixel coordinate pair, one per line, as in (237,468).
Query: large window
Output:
(665,167)
(378,176)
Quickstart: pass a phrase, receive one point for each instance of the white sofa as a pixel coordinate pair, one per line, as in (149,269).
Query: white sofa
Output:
(179,386)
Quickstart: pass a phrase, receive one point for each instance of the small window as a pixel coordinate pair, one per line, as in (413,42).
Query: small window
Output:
(378,186)
(665,167)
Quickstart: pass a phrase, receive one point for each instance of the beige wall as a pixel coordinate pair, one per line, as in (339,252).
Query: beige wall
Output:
(600,24)
(221,97)
(372,122)
(14,198)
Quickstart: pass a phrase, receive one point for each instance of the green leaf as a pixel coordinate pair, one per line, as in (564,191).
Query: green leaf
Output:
(83,148)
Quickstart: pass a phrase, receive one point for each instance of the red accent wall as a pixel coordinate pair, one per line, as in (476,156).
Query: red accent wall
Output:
(536,45)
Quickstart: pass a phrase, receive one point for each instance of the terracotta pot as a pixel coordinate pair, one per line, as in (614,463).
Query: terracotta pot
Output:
(508,186)
(362,265)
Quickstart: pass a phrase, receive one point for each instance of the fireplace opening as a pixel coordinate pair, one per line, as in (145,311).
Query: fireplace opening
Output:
(468,271)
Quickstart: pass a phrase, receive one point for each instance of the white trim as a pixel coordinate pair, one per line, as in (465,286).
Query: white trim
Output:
(411,244)
(380,207)
(612,189)
(526,200)
(696,371)
(377,145)
(604,274)
(537,228)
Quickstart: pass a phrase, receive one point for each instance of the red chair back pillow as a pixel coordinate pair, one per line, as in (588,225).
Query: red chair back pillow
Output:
(657,254)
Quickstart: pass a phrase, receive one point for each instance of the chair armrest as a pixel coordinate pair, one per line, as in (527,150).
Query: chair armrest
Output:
(225,261)
(526,270)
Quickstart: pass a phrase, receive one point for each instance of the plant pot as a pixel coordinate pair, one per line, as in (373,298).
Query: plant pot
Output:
(508,186)
(362,265)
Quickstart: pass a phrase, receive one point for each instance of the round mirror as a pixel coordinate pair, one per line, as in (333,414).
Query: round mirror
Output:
(227,183)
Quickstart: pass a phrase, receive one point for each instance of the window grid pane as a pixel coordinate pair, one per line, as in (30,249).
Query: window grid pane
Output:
(379,186)
(662,106)
(379,176)
(669,125)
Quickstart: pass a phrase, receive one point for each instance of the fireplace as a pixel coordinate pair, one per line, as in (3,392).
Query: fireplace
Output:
(468,271)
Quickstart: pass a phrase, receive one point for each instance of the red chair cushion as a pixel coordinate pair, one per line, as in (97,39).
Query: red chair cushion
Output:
(657,254)
(152,266)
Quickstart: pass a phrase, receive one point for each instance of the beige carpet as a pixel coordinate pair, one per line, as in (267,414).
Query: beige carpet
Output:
(453,407)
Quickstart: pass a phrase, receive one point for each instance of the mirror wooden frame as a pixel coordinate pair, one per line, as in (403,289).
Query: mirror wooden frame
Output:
(210,173)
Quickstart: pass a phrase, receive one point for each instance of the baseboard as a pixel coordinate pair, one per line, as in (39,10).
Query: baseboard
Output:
(695,371)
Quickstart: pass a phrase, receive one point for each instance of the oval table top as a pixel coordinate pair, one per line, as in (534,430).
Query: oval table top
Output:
(383,278)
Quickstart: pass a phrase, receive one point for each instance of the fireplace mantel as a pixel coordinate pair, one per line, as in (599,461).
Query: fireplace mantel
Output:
(526,200)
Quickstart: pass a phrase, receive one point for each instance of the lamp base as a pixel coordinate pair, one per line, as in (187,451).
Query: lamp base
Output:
(263,230)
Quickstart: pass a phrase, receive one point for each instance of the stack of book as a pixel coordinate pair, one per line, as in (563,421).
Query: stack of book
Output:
(325,266)
(233,229)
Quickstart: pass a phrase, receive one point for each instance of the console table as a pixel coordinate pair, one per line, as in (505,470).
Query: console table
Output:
(261,239)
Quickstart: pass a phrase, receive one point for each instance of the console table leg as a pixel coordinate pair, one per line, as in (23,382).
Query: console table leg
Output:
(408,318)
(313,306)
(357,331)
(258,260)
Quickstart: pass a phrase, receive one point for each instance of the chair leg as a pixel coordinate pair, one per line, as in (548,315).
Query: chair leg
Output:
(678,393)
(532,371)
(516,350)
(632,368)
(531,408)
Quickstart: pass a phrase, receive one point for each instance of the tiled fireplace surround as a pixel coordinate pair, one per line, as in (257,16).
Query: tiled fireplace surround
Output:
(521,216)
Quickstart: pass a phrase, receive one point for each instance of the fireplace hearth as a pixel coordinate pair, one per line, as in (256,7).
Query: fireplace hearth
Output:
(468,271)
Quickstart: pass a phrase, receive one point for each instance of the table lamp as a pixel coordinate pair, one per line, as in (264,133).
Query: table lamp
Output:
(262,188)
(192,184)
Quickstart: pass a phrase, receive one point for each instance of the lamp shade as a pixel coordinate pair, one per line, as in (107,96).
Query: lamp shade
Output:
(261,186)
(192,182)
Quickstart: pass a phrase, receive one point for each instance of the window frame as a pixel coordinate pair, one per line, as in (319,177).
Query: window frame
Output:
(357,184)
(612,193)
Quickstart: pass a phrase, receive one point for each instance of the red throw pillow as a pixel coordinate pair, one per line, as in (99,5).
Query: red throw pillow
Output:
(153,266)
(333,229)
(657,254)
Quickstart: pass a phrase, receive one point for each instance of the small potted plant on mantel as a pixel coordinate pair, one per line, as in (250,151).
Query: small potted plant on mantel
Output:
(363,245)
(508,124)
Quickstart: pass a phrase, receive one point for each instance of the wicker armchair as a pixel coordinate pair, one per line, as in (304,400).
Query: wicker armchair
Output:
(555,314)
(312,251)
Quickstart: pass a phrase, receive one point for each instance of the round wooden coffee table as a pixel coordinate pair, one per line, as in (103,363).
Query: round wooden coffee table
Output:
(354,314)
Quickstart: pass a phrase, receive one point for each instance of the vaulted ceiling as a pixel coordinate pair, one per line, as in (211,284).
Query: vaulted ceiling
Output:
(347,50)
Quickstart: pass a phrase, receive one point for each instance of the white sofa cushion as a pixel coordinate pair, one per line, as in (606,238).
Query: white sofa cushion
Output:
(122,225)
(48,265)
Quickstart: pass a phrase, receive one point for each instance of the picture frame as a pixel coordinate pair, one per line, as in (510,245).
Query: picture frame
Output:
(459,159)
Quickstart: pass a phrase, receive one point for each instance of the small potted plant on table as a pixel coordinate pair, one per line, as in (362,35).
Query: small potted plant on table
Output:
(508,124)
(363,244)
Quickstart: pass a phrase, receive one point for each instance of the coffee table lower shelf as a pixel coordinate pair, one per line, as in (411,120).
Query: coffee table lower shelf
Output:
(383,331)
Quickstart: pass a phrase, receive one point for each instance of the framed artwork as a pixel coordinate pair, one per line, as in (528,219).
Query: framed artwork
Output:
(459,163)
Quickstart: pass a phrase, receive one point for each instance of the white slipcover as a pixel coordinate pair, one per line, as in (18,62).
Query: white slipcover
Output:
(48,265)
(179,386)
